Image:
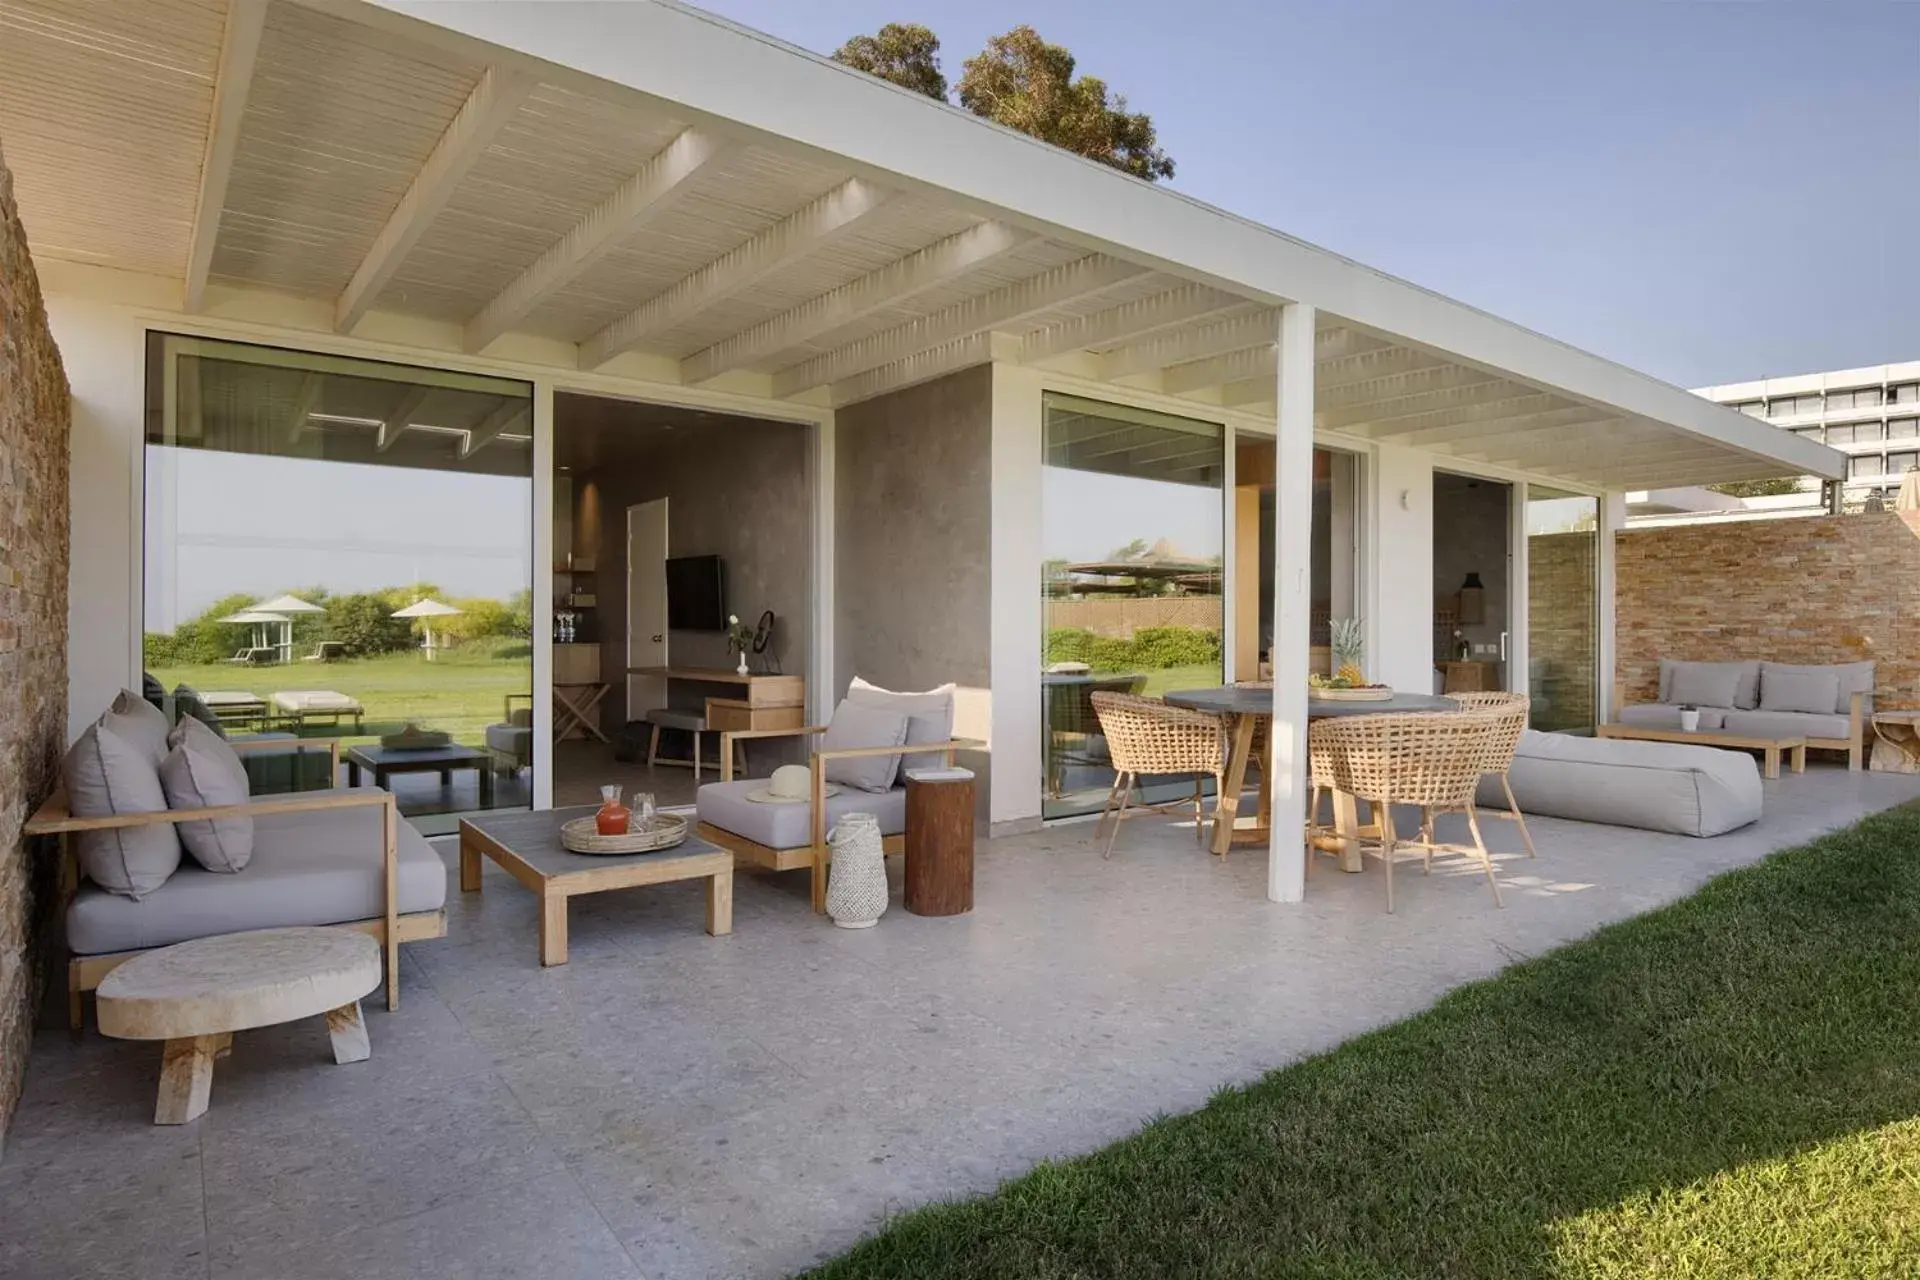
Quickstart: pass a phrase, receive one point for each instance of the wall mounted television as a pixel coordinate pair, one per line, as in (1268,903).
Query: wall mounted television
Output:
(696,593)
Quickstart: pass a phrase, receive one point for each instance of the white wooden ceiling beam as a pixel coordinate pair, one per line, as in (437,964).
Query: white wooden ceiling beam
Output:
(792,238)
(394,425)
(1396,389)
(483,433)
(1470,434)
(928,268)
(1231,366)
(1341,341)
(1486,403)
(1004,307)
(651,191)
(239,49)
(492,102)
(1127,322)
(1197,343)
(924,366)
(1370,366)
(1248,391)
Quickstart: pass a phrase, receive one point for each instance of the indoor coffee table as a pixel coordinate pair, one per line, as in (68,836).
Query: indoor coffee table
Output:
(1770,749)
(527,846)
(387,761)
(195,995)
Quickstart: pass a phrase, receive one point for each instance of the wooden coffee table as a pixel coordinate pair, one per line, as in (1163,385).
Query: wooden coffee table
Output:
(387,761)
(527,847)
(195,995)
(1770,749)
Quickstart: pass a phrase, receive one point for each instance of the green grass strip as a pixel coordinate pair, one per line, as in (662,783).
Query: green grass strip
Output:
(1724,1087)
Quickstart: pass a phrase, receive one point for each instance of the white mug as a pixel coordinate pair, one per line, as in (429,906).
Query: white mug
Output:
(1690,720)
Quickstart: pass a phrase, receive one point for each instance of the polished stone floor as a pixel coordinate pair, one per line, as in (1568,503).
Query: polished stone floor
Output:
(678,1107)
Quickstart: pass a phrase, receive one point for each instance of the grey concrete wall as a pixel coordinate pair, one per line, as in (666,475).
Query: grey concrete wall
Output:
(914,515)
(741,490)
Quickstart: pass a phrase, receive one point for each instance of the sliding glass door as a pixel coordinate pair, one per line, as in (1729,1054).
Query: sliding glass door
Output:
(344,548)
(1563,608)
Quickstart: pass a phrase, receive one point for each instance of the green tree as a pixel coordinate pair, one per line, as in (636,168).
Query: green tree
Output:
(1021,81)
(365,624)
(1758,488)
(904,53)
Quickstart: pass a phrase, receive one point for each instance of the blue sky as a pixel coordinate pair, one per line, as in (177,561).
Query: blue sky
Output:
(1707,191)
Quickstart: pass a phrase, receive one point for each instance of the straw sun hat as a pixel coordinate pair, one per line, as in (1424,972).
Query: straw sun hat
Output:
(790,784)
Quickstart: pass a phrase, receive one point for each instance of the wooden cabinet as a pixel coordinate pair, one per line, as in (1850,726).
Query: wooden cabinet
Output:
(1469,677)
(576,664)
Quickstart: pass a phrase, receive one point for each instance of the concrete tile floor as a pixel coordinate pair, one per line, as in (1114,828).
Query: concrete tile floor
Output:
(679,1107)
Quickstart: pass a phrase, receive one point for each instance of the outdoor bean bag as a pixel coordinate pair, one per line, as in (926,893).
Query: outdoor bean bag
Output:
(1655,786)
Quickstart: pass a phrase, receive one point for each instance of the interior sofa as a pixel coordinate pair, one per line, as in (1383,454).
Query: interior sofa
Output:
(1831,706)
(330,857)
(1653,786)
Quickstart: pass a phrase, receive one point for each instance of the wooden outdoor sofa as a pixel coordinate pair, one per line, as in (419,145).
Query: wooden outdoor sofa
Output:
(250,909)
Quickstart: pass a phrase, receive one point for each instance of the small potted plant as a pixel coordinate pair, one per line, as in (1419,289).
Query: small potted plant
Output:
(739,637)
(1689,719)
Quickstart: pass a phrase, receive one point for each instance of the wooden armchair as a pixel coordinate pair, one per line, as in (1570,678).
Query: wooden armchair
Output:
(814,854)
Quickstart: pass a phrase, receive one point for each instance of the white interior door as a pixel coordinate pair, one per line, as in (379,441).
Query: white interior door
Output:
(646,604)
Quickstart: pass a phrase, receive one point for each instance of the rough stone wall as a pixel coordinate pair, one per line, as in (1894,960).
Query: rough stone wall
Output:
(1563,571)
(1817,589)
(34,418)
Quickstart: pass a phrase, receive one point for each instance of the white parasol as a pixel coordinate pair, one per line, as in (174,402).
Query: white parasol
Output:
(424,609)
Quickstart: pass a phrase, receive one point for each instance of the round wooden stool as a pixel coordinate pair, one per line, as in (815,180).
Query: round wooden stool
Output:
(195,995)
(939,872)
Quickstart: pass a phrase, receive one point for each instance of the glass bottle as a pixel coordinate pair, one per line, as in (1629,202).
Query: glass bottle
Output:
(613,816)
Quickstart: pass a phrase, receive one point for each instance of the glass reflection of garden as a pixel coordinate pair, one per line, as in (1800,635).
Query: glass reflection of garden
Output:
(352,644)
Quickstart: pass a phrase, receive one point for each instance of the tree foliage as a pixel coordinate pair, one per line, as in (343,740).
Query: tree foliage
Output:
(1021,81)
(1024,83)
(903,53)
(1758,488)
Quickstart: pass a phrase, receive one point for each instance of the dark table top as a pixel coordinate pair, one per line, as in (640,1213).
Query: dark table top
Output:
(1240,700)
(424,757)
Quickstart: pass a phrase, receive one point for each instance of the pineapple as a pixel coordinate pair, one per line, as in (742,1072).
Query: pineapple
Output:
(1348,640)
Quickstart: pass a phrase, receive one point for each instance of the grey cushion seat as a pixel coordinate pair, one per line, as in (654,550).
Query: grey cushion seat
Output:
(789,826)
(1788,724)
(669,718)
(1663,715)
(311,868)
(512,739)
(1655,786)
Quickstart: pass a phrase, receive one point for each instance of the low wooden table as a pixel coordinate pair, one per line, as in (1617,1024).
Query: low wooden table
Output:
(386,761)
(1770,749)
(195,995)
(527,847)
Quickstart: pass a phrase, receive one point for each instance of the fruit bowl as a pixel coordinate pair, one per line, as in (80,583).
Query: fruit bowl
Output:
(1364,693)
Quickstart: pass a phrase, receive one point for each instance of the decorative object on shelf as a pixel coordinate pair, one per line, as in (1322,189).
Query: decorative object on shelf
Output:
(1364,693)
(581,835)
(739,639)
(857,885)
(1473,601)
(1690,719)
(1347,638)
(790,784)
(1462,647)
(762,638)
(614,817)
(414,738)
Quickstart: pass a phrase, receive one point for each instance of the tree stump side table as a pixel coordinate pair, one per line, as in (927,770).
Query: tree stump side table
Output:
(939,854)
(1896,747)
(195,995)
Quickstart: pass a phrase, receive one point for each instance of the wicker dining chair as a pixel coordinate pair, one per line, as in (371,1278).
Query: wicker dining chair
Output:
(1148,738)
(1516,708)
(1430,761)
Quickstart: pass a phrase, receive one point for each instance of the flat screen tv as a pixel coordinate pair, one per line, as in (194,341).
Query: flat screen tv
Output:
(696,594)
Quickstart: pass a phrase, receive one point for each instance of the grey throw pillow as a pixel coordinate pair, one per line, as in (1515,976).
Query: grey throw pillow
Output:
(1703,684)
(188,702)
(133,719)
(1746,688)
(856,726)
(1815,692)
(106,775)
(929,717)
(201,772)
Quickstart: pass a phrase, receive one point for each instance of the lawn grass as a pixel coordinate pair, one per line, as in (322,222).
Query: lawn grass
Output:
(1725,1087)
(462,691)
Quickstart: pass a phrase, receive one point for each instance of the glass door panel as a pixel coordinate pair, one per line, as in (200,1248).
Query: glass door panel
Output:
(1563,609)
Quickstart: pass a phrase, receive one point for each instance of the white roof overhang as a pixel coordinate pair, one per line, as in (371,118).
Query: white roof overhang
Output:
(645,178)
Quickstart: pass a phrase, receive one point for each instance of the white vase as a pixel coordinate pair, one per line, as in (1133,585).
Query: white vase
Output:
(1690,721)
(743,662)
(857,878)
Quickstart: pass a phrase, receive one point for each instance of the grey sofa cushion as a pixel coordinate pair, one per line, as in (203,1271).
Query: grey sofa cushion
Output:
(1703,684)
(105,775)
(1855,677)
(1787,724)
(789,826)
(200,772)
(855,726)
(310,868)
(1746,689)
(929,717)
(1660,715)
(1655,786)
(133,719)
(1817,692)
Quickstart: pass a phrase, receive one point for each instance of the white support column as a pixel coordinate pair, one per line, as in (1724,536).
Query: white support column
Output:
(1519,651)
(543,556)
(1292,602)
(823,681)
(1230,602)
(1016,766)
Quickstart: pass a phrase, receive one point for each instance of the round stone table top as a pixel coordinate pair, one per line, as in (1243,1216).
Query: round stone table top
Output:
(237,981)
(1257,700)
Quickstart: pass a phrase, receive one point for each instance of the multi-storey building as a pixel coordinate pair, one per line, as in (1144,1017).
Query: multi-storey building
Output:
(1872,415)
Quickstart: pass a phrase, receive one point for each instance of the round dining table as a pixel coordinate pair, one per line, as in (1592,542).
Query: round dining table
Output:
(1244,707)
